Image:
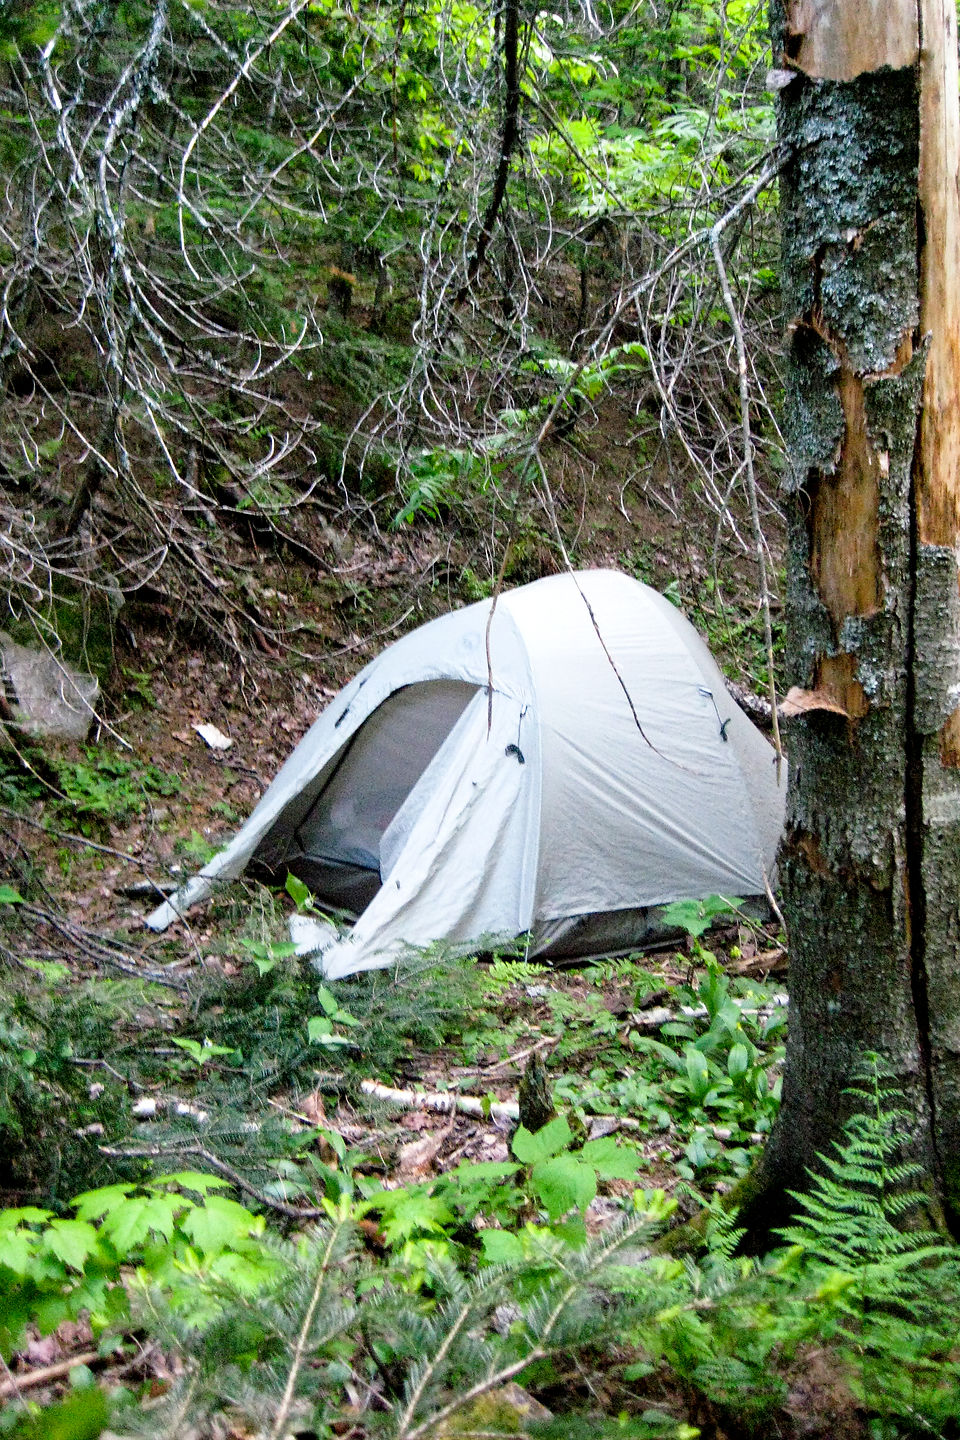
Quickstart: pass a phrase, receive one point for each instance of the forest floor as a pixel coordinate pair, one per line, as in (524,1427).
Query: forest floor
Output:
(190,1051)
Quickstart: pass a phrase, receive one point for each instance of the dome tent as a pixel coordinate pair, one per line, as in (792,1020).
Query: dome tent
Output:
(558,767)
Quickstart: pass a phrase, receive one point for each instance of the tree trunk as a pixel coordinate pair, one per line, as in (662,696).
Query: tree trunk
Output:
(871,858)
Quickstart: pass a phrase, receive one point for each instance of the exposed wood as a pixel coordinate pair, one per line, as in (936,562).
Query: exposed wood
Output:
(845,555)
(950,742)
(837,677)
(836,40)
(938,475)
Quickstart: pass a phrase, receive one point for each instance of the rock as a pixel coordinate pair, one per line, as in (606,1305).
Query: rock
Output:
(45,694)
(507,1411)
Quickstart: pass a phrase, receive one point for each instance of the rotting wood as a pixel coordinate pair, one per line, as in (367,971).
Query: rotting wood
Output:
(834,40)
(798,701)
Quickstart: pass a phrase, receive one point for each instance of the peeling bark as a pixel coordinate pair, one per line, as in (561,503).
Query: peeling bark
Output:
(871,858)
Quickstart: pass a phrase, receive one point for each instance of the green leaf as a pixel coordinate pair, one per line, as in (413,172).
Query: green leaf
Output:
(23,1215)
(267,957)
(196,1180)
(320,1032)
(698,1071)
(336,1142)
(481,1172)
(19,1249)
(248,1272)
(610,1160)
(298,892)
(738,1061)
(533,1146)
(563,1183)
(572,1232)
(161,1211)
(500,1247)
(405,1212)
(220,1223)
(94,1203)
(83,1416)
(10,896)
(328,1001)
(201,1053)
(128,1225)
(696,916)
(72,1241)
(678,1028)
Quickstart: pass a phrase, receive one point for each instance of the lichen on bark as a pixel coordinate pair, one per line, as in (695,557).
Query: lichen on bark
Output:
(855,891)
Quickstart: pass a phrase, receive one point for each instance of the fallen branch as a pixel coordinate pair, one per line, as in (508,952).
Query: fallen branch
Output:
(446,1104)
(47,1373)
(661,1014)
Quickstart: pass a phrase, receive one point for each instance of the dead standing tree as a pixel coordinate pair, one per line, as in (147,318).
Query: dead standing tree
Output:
(871,263)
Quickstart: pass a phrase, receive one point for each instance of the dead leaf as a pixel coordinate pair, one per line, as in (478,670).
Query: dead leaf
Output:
(45,1351)
(418,1156)
(419,1120)
(312,1107)
(798,702)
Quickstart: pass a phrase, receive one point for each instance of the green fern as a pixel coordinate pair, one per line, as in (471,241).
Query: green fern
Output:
(889,1289)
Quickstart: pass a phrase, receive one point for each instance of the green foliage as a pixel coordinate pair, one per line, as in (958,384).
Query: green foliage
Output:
(562,1179)
(487,1272)
(546,1194)
(434,1326)
(438,480)
(696,916)
(103,787)
(422,1001)
(708,1081)
(200,1051)
(83,1416)
(54,1269)
(724,1059)
(50,1117)
(320,1028)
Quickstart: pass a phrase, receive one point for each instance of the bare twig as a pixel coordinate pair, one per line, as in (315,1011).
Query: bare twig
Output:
(760,548)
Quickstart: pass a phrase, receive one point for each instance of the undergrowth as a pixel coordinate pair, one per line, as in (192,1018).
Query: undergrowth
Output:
(332,1330)
(84,791)
(328,1296)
